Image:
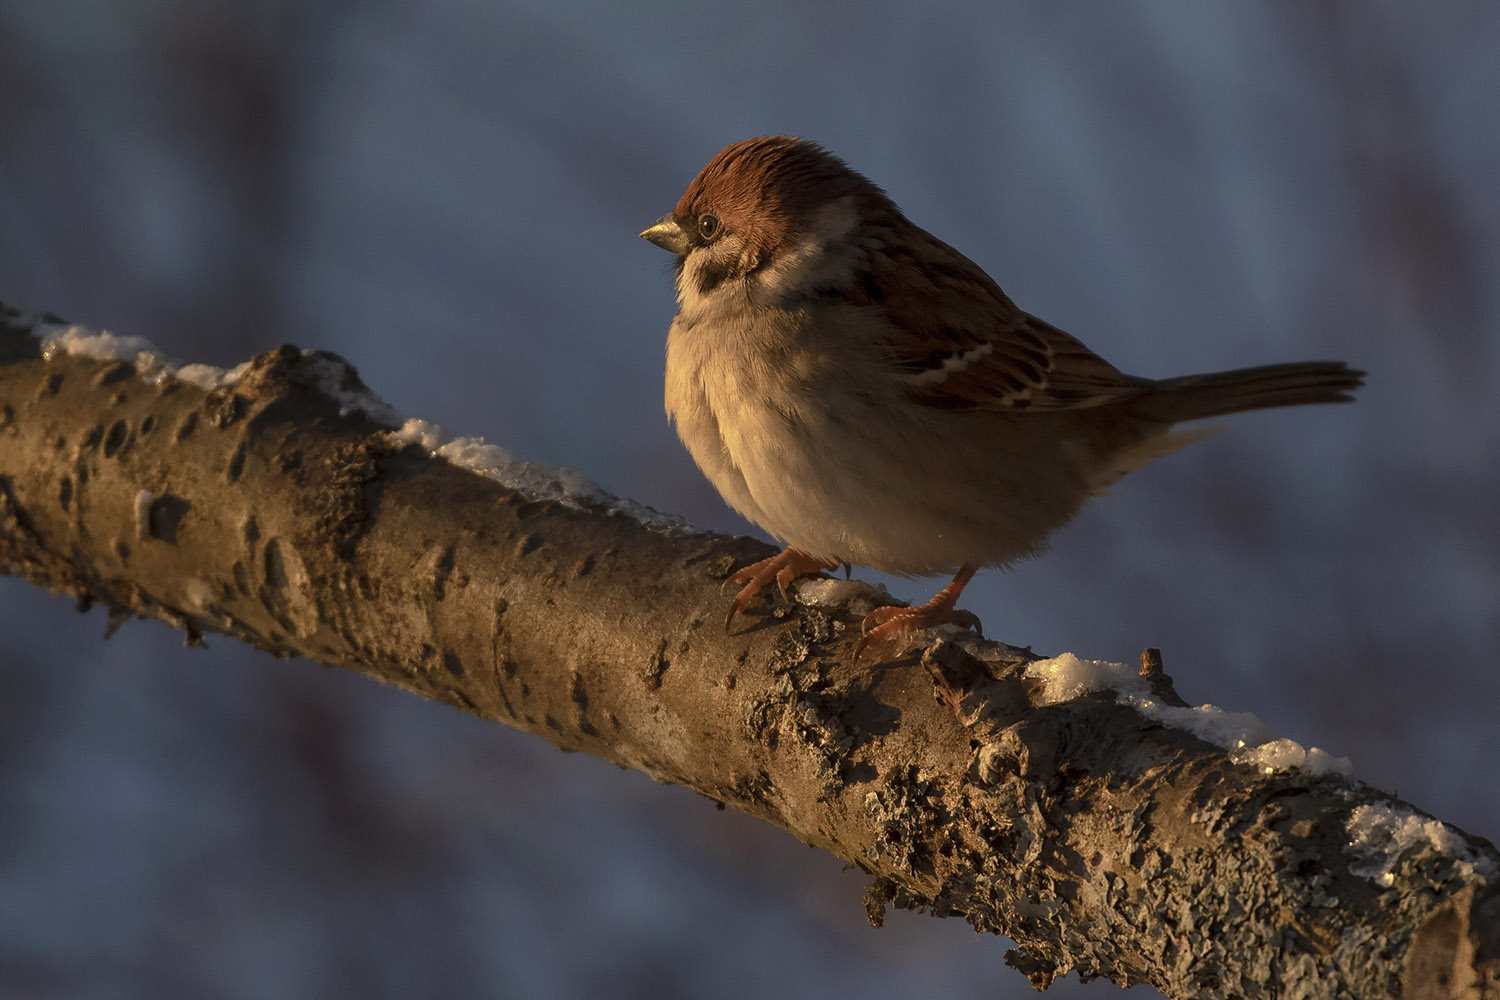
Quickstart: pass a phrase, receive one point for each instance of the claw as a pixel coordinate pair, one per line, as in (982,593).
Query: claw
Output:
(884,623)
(782,568)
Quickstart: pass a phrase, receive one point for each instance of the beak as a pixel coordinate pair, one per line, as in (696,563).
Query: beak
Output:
(667,234)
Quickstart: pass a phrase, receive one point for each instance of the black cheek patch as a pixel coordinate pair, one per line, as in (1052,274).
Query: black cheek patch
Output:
(711,276)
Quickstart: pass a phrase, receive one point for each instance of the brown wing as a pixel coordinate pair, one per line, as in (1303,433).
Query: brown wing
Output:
(962,344)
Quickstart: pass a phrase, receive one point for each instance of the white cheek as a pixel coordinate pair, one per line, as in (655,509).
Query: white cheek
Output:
(794,269)
(690,300)
(824,257)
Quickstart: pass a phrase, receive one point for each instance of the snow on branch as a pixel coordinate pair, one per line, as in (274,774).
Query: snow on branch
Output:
(1080,808)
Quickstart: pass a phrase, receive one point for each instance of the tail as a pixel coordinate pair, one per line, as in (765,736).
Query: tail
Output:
(1192,397)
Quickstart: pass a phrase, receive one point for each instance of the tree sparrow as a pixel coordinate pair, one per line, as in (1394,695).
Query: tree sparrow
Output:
(868,395)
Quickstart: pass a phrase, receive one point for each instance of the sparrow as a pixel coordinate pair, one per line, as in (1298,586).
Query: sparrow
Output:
(868,395)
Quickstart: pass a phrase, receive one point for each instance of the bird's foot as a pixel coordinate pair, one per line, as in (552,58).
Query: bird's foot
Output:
(888,622)
(782,568)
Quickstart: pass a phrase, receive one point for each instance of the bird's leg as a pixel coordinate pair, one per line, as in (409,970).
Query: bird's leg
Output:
(883,623)
(784,567)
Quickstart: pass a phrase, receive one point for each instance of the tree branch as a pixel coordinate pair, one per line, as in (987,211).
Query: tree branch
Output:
(280,506)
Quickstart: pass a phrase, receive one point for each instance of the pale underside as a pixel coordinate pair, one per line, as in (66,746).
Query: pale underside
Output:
(834,460)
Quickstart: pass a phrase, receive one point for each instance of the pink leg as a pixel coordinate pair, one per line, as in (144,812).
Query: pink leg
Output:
(784,567)
(883,623)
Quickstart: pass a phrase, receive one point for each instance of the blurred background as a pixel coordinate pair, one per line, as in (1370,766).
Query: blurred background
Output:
(448,194)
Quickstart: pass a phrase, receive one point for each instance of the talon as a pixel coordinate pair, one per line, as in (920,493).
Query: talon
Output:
(884,623)
(782,568)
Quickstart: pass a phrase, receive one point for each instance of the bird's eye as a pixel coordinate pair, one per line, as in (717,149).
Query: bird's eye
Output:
(709,226)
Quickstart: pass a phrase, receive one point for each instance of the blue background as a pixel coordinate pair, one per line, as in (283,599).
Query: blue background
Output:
(449,193)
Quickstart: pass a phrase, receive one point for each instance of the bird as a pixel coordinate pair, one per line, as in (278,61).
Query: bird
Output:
(868,395)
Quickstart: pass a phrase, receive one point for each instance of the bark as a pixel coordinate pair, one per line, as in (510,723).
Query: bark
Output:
(1097,839)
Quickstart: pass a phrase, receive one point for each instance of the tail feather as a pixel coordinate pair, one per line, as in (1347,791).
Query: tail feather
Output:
(1193,397)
